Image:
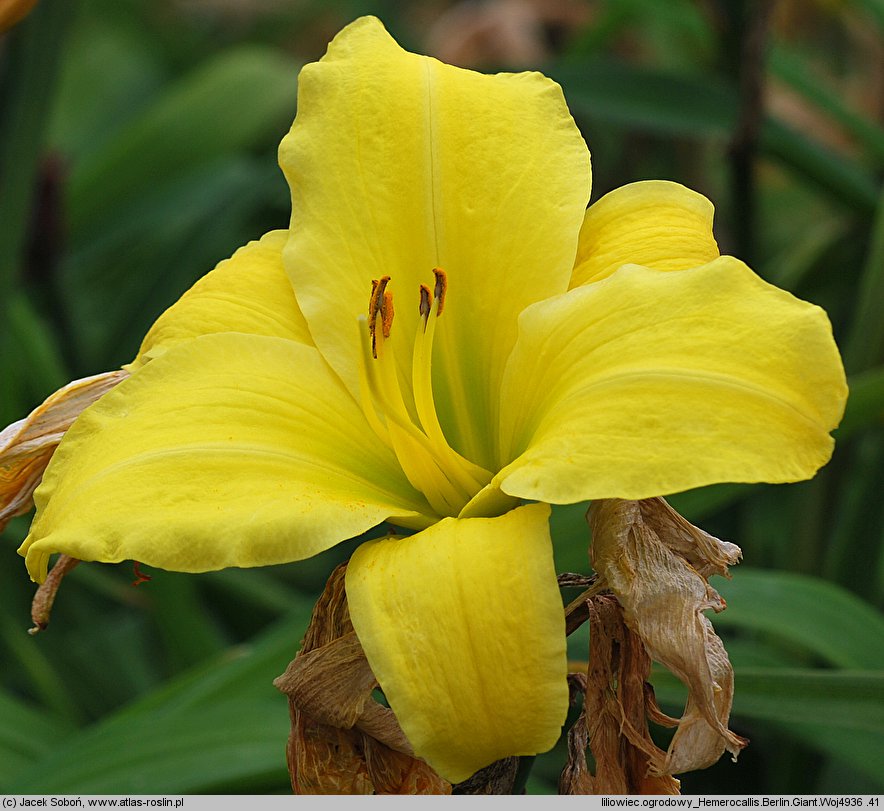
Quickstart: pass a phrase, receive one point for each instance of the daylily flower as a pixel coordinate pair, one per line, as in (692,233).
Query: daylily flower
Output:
(540,353)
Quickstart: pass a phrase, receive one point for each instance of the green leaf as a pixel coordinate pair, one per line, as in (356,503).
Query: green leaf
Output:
(239,100)
(703,108)
(36,348)
(34,56)
(837,175)
(215,727)
(117,284)
(25,734)
(841,699)
(865,344)
(235,743)
(110,73)
(865,405)
(668,103)
(799,74)
(821,617)
(840,713)
(695,505)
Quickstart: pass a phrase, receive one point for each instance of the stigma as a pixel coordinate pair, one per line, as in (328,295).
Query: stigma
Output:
(410,425)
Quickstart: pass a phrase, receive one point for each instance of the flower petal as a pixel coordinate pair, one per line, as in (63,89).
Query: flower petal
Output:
(249,292)
(654,223)
(399,164)
(464,628)
(227,450)
(27,446)
(650,383)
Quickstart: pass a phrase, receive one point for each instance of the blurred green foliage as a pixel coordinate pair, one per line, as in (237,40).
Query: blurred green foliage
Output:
(137,149)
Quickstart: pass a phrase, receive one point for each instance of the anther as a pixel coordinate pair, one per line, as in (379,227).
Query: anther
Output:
(425,304)
(387,314)
(377,306)
(378,286)
(440,288)
(371,298)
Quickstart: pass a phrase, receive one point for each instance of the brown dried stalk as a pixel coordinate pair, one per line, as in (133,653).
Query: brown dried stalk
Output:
(44,598)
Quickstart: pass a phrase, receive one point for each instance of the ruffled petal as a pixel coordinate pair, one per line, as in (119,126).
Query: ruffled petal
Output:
(227,450)
(249,292)
(464,629)
(650,383)
(399,164)
(654,223)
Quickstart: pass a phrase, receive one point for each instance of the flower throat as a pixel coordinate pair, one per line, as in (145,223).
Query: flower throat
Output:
(447,479)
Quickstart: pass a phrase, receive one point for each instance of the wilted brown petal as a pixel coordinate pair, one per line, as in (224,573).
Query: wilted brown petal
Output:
(342,741)
(27,446)
(706,553)
(393,772)
(332,683)
(652,560)
(614,718)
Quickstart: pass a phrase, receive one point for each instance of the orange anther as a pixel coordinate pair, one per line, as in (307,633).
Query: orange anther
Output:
(377,306)
(440,288)
(426,303)
(378,286)
(387,314)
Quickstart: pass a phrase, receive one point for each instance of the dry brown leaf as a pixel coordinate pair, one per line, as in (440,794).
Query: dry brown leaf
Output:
(656,564)
(27,446)
(342,741)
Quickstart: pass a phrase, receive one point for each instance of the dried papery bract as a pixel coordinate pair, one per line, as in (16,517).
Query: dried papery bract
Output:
(613,724)
(656,564)
(27,446)
(342,741)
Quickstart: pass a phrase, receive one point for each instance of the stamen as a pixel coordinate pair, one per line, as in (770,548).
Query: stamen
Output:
(376,303)
(440,289)
(425,305)
(371,298)
(468,476)
(378,286)
(382,400)
(447,479)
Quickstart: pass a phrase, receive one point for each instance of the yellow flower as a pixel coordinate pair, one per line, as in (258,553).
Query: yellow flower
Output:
(279,408)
